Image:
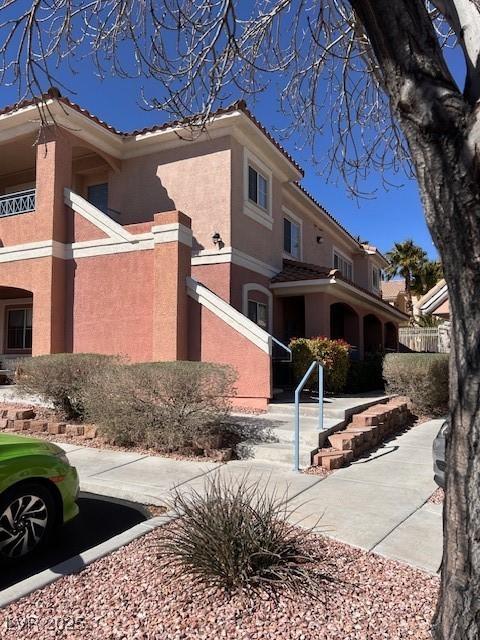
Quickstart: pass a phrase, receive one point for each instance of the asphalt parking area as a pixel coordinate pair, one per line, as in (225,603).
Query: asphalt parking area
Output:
(99,519)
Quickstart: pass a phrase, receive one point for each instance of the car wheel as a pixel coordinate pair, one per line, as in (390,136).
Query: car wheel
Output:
(27,520)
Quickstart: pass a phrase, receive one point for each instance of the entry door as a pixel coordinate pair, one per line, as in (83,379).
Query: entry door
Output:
(294,317)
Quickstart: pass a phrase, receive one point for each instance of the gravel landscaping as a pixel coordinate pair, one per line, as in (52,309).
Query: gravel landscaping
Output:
(437,497)
(127,595)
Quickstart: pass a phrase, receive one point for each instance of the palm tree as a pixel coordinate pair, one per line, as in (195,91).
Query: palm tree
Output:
(406,259)
(428,321)
(428,276)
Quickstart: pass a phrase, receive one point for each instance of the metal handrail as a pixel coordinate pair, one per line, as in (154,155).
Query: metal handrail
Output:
(298,390)
(283,346)
(19,202)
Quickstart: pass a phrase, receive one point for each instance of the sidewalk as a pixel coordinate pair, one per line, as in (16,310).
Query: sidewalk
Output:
(378,503)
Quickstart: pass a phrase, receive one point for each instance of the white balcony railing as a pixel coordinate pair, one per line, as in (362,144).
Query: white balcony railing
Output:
(20,202)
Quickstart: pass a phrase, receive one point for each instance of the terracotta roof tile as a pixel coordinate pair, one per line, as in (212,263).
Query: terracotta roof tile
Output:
(294,271)
(391,288)
(239,105)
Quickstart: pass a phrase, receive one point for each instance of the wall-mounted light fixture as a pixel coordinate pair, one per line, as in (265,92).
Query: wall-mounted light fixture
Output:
(217,240)
(319,239)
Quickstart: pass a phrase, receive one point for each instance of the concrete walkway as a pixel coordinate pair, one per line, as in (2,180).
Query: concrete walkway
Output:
(378,503)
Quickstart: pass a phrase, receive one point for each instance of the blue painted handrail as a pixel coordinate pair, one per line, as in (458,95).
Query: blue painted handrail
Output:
(298,390)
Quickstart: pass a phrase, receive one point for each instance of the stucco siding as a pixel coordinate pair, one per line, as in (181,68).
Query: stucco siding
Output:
(193,177)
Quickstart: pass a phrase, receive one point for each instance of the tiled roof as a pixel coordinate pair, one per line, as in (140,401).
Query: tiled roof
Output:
(294,271)
(240,105)
(327,213)
(391,288)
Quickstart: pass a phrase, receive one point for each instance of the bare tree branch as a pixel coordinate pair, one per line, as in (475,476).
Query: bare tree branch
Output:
(205,53)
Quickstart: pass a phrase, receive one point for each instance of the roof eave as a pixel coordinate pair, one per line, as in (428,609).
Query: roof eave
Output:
(297,285)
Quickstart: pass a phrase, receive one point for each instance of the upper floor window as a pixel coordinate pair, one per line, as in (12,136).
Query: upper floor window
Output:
(97,194)
(376,278)
(291,237)
(257,188)
(258,313)
(343,264)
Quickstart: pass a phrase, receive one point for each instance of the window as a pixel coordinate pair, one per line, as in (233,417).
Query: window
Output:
(376,277)
(291,237)
(344,265)
(258,313)
(257,188)
(97,194)
(19,329)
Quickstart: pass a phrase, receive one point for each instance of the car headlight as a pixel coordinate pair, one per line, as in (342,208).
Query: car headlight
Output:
(444,429)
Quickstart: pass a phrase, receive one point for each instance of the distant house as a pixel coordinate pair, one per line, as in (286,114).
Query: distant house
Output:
(435,302)
(393,292)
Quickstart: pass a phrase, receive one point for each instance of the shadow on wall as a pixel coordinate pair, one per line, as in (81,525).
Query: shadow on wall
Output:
(139,194)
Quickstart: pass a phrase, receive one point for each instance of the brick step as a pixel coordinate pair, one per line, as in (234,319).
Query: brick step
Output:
(331,458)
(366,431)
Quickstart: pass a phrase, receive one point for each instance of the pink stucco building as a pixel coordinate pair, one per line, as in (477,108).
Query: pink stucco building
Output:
(158,248)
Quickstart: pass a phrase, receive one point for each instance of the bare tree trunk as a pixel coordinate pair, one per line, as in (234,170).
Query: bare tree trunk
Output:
(438,124)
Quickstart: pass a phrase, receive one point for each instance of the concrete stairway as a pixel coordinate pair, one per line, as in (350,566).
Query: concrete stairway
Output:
(270,435)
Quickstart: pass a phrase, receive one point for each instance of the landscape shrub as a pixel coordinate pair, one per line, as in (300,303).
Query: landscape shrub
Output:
(333,354)
(423,377)
(235,534)
(366,375)
(163,405)
(60,379)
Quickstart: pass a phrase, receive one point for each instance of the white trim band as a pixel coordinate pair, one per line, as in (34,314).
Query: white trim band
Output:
(96,217)
(229,315)
(172,232)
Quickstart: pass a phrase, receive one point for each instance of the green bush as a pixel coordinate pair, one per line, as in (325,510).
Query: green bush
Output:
(333,354)
(60,379)
(235,535)
(366,375)
(164,405)
(423,377)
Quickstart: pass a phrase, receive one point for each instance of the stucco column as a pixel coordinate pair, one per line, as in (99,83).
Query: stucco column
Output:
(53,174)
(172,264)
(317,315)
(361,341)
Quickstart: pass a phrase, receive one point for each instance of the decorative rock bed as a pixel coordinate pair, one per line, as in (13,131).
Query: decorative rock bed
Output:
(16,420)
(366,431)
(30,420)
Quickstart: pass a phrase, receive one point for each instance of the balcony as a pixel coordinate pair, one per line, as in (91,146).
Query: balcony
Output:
(15,203)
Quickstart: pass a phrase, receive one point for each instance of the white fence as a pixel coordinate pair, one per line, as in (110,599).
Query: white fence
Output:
(422,339)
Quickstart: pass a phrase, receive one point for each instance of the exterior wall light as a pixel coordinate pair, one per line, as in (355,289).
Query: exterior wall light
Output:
(217,240)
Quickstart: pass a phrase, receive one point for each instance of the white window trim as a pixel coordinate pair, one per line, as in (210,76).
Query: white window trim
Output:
(337,251)
(253,286)
(238,321)
(287,213)
(252,210)
(259,304)
(372,284)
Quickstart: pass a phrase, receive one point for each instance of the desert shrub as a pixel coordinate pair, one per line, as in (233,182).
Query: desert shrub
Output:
(60,379)
(366,375)
(333,354)
(163,405)
(423,377)
(235,534)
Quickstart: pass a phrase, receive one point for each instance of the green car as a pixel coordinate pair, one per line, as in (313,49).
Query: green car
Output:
(38,492)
